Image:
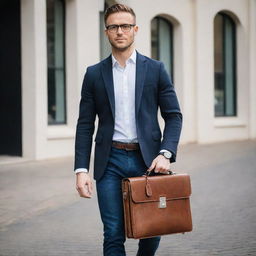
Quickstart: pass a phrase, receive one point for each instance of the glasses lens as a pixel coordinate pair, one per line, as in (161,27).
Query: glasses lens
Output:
(125,27)
(112,28)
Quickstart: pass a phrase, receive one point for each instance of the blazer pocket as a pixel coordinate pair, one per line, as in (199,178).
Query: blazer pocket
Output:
(156,135)
(98,138)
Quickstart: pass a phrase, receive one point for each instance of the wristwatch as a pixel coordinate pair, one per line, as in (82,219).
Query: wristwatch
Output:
(166,154)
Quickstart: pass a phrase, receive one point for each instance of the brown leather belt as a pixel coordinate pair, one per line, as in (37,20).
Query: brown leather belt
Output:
(125,146)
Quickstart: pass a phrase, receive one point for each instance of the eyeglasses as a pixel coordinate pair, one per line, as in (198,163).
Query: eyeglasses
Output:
(124,27)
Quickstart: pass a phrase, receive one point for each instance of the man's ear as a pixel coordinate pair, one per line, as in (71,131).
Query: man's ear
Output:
(136,28)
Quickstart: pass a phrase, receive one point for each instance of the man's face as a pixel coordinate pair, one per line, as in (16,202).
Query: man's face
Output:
(121,40)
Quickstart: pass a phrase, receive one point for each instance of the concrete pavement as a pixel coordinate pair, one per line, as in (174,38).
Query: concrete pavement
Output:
(41,214)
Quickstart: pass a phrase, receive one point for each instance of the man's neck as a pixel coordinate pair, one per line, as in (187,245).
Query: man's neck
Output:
(122,56)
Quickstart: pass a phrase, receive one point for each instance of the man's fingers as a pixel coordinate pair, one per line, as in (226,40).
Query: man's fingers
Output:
(152,166)
(84,185)
(158,168)
(90,187)
(83,192)
(162,165)
(163,168)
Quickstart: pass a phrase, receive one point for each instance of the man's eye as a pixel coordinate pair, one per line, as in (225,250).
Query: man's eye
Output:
(112,27)
(125,26)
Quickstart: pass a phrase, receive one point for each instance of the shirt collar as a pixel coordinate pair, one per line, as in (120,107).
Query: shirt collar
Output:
(132,59)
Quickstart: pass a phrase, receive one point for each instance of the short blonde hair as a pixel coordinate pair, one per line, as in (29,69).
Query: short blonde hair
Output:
(118,8)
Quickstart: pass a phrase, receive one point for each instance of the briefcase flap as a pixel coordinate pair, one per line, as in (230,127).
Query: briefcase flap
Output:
(172,187)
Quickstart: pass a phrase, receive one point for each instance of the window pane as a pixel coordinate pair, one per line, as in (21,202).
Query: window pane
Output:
(162,42)
(165,44)
(224,65)
(229,68)
(218,65)
(56,62)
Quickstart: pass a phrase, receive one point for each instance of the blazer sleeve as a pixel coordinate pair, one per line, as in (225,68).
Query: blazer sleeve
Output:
(85,124)
(170,112)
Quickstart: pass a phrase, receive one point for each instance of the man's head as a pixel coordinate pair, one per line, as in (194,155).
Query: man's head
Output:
(120,22)
(119,8)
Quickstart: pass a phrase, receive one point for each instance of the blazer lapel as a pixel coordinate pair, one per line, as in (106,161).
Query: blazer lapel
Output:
(108,82)
(141,69)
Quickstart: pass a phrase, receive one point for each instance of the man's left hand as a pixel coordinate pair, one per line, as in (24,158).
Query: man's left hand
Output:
(160,165)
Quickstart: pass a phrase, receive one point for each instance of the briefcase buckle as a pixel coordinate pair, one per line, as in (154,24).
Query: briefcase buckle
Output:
(162,202)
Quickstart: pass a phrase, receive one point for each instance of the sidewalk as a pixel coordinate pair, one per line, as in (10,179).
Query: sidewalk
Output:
(41,213)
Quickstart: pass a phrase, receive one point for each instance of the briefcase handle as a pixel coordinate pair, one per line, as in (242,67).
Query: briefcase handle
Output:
(148,173)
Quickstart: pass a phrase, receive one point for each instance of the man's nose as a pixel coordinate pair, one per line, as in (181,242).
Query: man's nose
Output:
(119,30)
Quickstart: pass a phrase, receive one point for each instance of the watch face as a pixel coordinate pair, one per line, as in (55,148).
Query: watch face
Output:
(168,155)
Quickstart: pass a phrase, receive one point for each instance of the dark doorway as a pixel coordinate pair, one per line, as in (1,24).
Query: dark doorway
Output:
(10,78)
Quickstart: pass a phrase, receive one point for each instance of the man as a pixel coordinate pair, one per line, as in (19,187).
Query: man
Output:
(125,91)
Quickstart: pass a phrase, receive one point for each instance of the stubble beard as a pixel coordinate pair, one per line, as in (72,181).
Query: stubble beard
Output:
(121,48)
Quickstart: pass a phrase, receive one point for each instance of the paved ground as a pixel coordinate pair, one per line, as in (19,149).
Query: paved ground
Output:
(41,214)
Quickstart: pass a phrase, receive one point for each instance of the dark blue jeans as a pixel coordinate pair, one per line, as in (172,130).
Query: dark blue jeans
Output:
(121,164)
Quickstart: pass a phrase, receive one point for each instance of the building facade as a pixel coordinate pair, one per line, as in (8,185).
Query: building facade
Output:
(208,47)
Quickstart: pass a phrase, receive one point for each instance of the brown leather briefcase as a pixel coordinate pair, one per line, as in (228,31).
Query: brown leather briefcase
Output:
(156,205)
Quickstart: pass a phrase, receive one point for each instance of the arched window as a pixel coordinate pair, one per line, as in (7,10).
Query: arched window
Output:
(162,42)
(56,61)
(224,65)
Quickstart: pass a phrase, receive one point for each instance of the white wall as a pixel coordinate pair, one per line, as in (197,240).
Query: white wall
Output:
(34,78)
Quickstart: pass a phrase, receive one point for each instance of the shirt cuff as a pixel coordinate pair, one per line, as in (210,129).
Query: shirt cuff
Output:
(81,170)
(164,150)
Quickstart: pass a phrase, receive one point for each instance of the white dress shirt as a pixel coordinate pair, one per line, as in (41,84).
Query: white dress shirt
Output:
(124,90)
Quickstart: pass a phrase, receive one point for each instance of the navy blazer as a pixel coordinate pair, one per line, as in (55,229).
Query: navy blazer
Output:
(153,89)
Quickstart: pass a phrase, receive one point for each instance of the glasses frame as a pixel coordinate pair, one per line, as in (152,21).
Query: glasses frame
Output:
(113,28)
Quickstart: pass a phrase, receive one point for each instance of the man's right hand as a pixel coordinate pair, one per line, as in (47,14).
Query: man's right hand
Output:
(84,184)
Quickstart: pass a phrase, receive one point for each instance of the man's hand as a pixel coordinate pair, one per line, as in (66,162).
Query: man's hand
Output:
(84,184)
(160,165)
